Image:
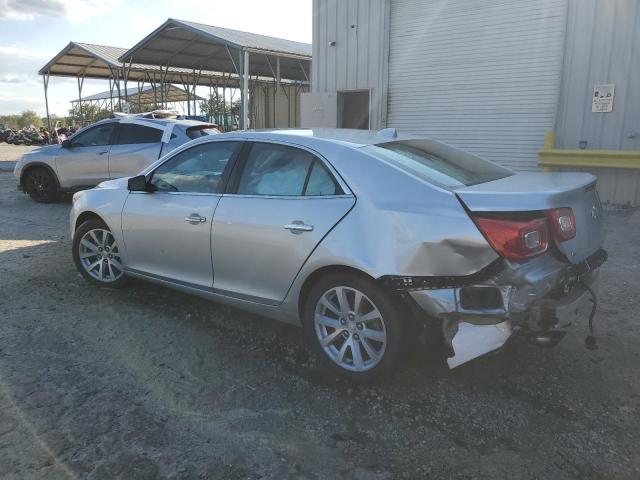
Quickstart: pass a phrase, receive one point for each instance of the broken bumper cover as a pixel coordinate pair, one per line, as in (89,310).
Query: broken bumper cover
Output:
(479,313)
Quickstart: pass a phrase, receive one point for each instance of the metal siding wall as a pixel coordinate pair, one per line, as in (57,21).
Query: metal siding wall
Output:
(603,46)
(482,75)
(357,61)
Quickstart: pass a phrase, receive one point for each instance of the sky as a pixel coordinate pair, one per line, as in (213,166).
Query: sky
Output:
(34,31)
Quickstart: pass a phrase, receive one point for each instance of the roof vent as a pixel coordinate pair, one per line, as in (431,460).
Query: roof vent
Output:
(388,132)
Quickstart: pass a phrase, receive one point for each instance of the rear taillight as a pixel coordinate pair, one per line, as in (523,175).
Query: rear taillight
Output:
(563,223)
(515,239)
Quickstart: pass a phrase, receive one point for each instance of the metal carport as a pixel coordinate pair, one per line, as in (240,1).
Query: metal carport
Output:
(85,60)
(144,95)
(198,47)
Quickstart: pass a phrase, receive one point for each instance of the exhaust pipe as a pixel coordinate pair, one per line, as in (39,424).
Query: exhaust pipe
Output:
(547,339)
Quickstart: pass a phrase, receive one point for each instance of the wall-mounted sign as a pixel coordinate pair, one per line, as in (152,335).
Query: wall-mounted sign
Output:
(603,98)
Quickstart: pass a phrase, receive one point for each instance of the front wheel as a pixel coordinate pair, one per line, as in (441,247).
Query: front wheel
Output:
(97,255)
(41,186)
(354,327)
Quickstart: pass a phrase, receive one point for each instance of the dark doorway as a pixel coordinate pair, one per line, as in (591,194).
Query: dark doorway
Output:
(353,109)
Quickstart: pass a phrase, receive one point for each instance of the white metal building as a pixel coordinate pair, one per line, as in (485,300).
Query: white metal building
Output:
(491,76)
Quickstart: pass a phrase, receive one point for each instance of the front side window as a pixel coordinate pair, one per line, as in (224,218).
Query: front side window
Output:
(130,133)
(196,170)
(94,137)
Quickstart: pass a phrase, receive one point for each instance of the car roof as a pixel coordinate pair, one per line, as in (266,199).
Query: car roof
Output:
(344,136)
(160,121)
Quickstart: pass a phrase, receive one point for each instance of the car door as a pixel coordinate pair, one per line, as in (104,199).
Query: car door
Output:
(135,147)
(167,233)
(85,162)
(282,200)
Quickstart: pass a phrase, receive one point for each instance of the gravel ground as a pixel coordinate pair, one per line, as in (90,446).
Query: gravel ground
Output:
(10,153)
(150,383)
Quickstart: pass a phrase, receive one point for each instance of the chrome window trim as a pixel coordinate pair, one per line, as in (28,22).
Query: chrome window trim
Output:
(288,197)
(161,192)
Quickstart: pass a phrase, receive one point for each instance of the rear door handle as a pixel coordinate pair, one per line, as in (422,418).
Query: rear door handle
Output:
(102,153)
(195,218)
(298,227)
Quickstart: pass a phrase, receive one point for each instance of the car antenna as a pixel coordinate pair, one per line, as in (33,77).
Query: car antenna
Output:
(388,132)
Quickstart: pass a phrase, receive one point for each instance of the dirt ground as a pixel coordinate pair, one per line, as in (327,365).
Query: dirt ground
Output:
(148,383)
(10,153)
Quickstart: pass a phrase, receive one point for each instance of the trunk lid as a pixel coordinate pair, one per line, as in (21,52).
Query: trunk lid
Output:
(526,192)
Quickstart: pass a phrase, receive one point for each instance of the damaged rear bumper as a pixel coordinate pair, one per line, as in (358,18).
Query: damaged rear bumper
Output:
(479,314)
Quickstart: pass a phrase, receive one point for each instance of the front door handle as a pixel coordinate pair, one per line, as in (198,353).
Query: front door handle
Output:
(195,218)
(102,153)
(298,227)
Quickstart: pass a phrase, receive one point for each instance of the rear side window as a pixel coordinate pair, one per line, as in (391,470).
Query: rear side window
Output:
(275,170)
(437,163)
(320,181)
(130,133)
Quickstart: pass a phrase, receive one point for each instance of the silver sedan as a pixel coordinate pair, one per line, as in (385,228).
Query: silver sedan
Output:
(113,148)
(368,240)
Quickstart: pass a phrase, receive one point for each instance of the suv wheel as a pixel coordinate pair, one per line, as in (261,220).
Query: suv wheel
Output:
(97,255)
(354,327)
(41,186)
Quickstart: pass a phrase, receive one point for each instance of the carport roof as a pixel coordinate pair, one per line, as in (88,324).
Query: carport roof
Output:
(183,44)
(102,62)
(172,94)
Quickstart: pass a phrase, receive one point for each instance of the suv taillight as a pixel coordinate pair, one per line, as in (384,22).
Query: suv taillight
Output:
(515,239)
(563,223)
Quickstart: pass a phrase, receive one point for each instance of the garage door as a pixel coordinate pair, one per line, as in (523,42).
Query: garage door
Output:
(481,75)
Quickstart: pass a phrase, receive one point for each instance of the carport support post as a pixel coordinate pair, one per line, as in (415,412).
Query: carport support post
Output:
(245,89)
(80,83)
(45,79)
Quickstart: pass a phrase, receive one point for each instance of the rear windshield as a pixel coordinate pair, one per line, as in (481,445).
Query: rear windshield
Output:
(202,131)
(437,163)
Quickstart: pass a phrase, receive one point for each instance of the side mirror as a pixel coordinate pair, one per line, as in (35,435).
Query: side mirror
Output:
(66,143)
(139,184)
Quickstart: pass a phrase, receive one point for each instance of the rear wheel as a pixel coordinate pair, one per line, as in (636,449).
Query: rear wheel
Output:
(41,186)
(97,255)
(354,327)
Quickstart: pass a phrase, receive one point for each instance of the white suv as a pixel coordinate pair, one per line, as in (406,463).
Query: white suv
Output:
(113,148)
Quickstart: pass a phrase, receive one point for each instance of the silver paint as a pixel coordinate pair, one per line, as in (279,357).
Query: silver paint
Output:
(388,222)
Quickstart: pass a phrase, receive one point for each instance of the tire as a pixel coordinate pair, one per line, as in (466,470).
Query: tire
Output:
(97,256)
(365,346)
(41,185)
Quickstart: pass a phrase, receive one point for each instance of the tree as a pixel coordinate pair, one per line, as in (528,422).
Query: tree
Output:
(90,113)
(9,120)
(28,118)
(216,105)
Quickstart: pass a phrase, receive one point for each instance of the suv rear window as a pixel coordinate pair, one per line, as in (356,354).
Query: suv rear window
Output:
(438,163)
(201,131)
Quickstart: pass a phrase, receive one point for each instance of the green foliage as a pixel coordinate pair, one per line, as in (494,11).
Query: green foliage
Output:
(217,104)
(9,120)
(25,119)
(28,118)
(90,113)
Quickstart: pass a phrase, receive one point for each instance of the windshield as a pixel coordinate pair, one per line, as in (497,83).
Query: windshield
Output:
(437,163)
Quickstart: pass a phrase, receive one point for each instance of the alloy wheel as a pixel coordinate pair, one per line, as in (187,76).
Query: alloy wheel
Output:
(99,255)
(350,329)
